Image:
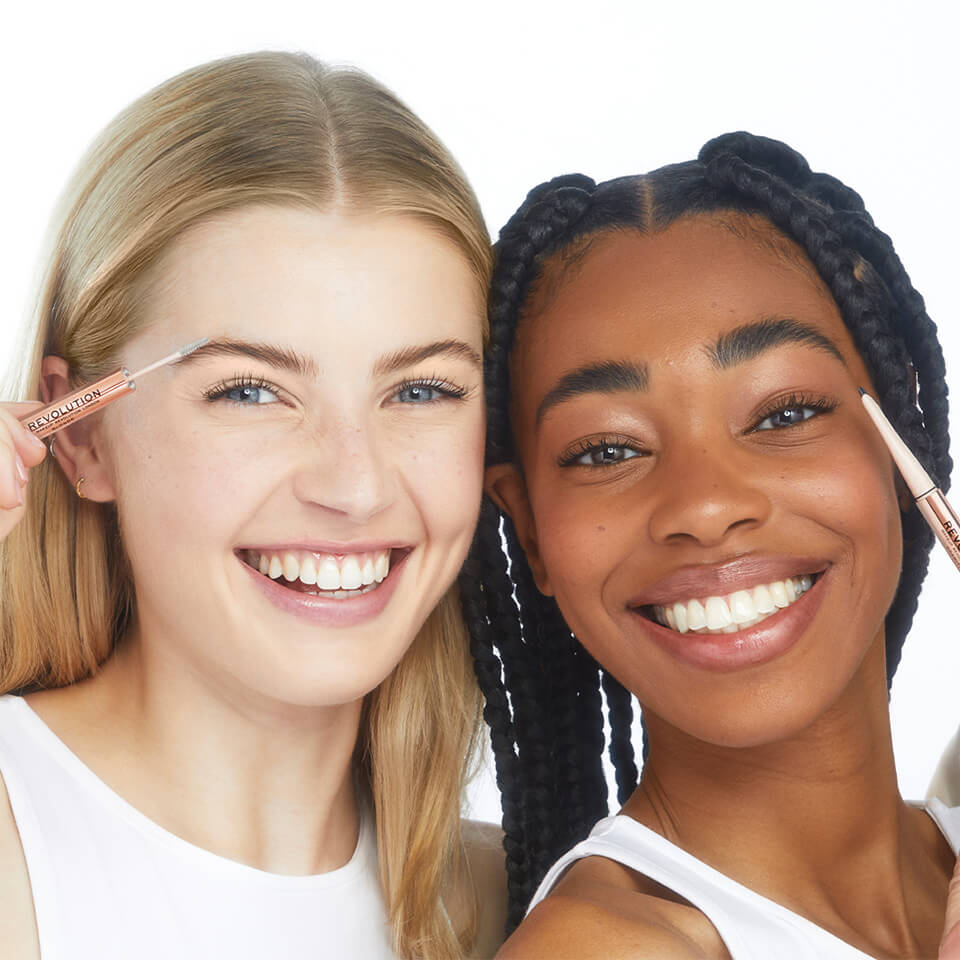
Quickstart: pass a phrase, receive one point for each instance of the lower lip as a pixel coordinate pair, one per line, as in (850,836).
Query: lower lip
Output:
(327,611)
(746,648)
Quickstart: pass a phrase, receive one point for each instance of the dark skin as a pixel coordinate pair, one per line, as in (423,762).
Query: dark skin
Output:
(700,476)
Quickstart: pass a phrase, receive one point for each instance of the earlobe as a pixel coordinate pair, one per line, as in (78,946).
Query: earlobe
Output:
(77,448)
(506,487)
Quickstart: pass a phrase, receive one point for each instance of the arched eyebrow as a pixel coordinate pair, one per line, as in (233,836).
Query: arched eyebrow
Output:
(746,342)
(268,353)
(610,376)
(284,359)
(453,349)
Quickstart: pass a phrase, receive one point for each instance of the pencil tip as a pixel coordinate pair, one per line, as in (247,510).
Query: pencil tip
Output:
(862,391)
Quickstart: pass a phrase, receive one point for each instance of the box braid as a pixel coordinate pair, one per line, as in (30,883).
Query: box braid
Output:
(543,690)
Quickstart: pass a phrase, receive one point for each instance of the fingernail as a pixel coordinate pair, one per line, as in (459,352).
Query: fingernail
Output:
(36,441)
(21,471)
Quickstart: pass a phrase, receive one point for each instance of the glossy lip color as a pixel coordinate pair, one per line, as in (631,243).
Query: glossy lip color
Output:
(725,652)
(326,611)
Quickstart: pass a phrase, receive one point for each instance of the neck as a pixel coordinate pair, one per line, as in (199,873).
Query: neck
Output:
(261,782)
(814,822)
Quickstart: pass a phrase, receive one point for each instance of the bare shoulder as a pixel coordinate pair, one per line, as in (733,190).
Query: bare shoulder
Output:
(18,929)
(601,910)
(483,843)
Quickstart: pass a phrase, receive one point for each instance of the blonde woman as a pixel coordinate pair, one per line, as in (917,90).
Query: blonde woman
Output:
(210,749)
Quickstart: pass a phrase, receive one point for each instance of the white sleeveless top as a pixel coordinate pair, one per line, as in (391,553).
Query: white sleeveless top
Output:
(110,884)
(751,926)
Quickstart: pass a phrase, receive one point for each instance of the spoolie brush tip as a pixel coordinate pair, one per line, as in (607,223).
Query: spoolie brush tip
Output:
(190,347)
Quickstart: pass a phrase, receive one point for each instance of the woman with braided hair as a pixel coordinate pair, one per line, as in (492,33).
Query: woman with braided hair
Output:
(698,512)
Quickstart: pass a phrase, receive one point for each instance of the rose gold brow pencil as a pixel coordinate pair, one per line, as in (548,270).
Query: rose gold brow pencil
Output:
(929,499)
(89,399)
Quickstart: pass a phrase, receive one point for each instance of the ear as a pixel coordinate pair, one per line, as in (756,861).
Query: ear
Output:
(78,448)
(505,486)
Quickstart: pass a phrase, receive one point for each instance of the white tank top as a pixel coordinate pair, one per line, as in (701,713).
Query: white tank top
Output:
(110,884)
(751,926)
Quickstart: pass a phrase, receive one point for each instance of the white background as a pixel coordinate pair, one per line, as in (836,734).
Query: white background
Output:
(523,91)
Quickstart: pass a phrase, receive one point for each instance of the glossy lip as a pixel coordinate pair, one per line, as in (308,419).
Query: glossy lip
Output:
(725,652)
(698,581)
(327,611)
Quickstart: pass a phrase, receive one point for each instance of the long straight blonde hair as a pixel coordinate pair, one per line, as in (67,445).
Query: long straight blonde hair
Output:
(274,128)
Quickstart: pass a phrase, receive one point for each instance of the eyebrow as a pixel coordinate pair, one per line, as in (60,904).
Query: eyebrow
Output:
(610,376)
(298,363)
(273,356)
(746,342)
(454,349)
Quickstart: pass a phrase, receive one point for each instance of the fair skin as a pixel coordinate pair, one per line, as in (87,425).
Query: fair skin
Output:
(770,753)
(230,712)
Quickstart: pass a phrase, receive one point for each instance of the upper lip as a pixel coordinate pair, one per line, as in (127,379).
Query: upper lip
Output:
(720,579)
(330,547)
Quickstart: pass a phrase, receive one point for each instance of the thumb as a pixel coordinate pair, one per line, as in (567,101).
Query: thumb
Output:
(950,944)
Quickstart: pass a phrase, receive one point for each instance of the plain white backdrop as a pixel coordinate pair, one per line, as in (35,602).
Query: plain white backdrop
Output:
(522,91)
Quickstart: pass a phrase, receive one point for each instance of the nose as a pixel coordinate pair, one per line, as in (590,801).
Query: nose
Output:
(347,472)
(705,498)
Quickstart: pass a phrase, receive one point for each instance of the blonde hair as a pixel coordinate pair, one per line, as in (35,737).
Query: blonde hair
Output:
(273,128)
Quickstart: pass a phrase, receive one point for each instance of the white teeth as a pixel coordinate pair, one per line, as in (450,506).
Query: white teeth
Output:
(350,578)
(742,607)
(331,574)
(739,610)
(291,567)
(696,615)
(328,574)
(718,613)
(778,593)
(308,570)
(762,600)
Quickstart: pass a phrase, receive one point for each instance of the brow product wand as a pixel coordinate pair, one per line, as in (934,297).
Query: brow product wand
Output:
(81,403)
(929,499)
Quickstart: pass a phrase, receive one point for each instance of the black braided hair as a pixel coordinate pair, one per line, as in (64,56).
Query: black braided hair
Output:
(542,688)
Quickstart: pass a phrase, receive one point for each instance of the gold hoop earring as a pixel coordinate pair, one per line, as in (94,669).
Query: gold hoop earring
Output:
(80,494)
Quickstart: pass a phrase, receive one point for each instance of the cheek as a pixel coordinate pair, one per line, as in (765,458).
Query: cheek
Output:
(443,472)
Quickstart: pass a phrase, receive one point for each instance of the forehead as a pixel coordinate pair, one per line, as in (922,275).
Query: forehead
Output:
(661,297)
(341,278)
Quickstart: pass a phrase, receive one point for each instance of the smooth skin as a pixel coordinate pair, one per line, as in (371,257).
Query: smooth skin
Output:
(343,451)
(780,772)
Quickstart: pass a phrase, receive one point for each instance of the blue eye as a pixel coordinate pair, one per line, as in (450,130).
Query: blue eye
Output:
(251,395)
(244,391)
(418,393)
(428,391)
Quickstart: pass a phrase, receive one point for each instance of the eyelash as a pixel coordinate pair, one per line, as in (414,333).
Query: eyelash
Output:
(580,449)
(791,401)
(794,400)
(247,381)
(448,390)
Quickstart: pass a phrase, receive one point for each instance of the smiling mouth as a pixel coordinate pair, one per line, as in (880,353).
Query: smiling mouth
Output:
(736,611)
(334,576)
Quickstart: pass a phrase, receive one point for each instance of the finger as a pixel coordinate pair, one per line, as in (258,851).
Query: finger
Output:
(950,944)
(11,485)
(31,449)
